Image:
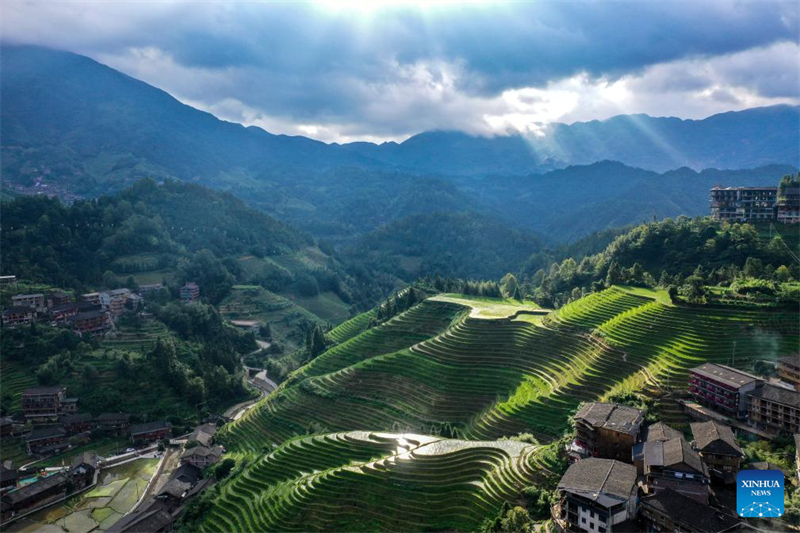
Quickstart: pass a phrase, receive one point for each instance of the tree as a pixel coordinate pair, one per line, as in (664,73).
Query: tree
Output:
(614,276)
(509,285)
(516,520)
(753,267)
(223,469)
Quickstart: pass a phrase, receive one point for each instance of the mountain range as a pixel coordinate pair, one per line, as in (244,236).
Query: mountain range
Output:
(84,127)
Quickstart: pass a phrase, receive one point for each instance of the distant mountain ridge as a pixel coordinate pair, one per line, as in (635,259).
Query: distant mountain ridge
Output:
(97,129)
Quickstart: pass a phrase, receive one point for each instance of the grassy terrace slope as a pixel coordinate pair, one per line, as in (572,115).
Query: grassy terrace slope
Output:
(360,481)
(439,369)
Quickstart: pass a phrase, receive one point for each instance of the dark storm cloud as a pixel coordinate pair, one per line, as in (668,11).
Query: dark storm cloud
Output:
(311,63)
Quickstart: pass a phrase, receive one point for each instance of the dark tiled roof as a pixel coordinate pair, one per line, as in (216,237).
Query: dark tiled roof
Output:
(605,481)
(175,488)
(149,427)
(43,390)
(18,309)
(660,432)
(87,458)
(713,437)
(78,418)
(113,417)
(187,473)
(203,451)
(87,315)
(793,360)
(693,515)
(673,453)
(766,465)
(23,493)
(46,433)
(777,394)
(142,522)
(725,374)
(612,416)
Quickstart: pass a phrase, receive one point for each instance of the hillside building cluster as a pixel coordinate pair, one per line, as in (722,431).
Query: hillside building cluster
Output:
(90,315)
(756,204)
(626,475)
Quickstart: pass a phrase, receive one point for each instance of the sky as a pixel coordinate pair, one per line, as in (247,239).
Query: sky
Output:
(343,71)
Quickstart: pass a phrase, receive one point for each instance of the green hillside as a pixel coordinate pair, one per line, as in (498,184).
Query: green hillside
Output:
(438,369)
(361,481)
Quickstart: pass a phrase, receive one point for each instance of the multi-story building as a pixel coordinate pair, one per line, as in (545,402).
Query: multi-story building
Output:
(773,408)
(673,464)
(744,204)
(34,301)
(43,403)
(722,388)
(33,495)
(789,205)
(202,456)
(150,431)
(77,423)
(789,370)
(115,301)
(607,430)
(149,287)
(57,298)
(597,496)
(113,423)
(190,292)
(61,313)
(46,440)
(91,297)
(658,432)
(18,315)
(90,323)
(718,449)
(82,470)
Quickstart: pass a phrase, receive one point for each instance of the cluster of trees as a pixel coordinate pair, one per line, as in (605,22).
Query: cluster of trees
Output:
(397,303)
(668,253)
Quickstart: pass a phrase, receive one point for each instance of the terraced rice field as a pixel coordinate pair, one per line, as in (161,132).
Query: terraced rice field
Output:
(440,368)
(15,377)
(362,481)
(350,328)
(141,340)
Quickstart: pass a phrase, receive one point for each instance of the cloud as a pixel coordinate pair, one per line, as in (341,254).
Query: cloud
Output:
(338,71)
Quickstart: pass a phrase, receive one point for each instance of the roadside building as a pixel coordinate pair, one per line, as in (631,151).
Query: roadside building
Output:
(789,370)
(153,520)
(187,473)
(722,388)
(90,323)
(606,430)
(33,301)
(33,495)
(150,431)
(597,496)
(190,292)
(202,456)
(774,409)
(718,449)
(43,403)
(658,432)
(17,315)
(46,440)
(673,464)
(113,423)
(77,423)
(82,470)
(671,511)
(203,434)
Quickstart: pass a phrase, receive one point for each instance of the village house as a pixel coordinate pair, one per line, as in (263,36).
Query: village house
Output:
(6,427)
(33,495)
(773,408)
(148,288)
(671,511)
(43,403)
(718,449)
(190,292)
(150,431)
(789,370)
(113,423)
(722,388)
(658,432)
(673,464)
(82,470)
(17,315)
(57,298)
(91,298)
(606,430)
(153,520)
(33,301)
(61,313)
(596,496)
(46,440)
(203,434)
(202,456)
(115,301)
(77,423)
(90,323)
